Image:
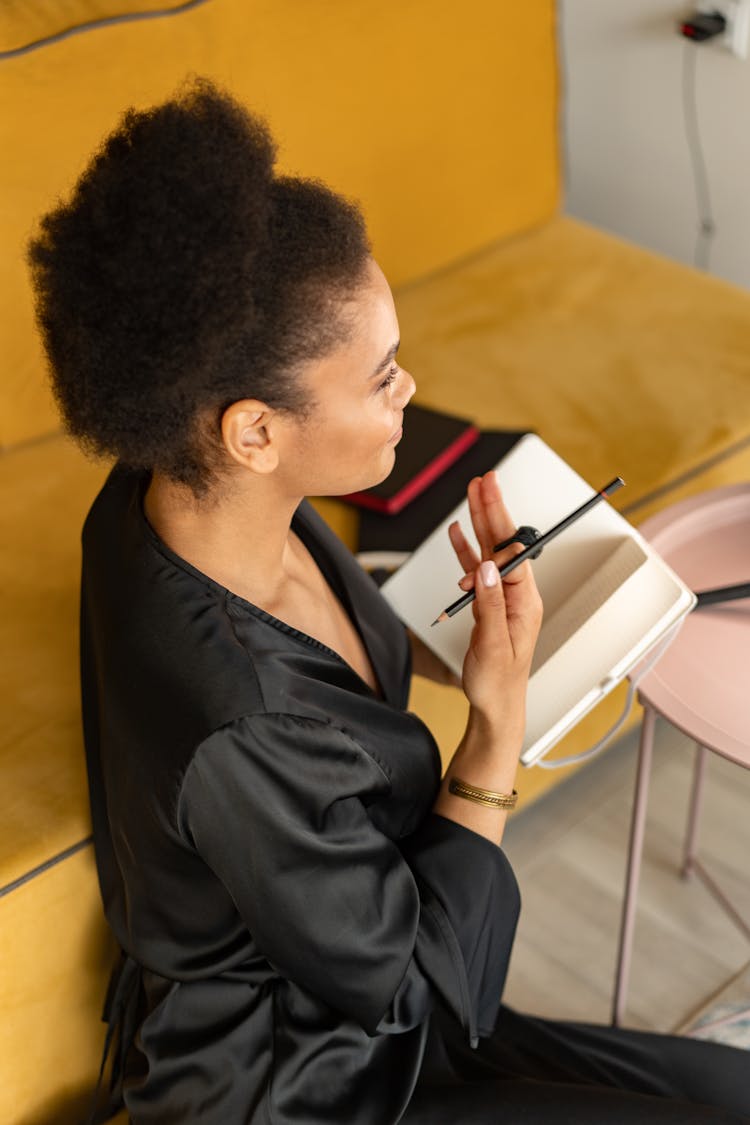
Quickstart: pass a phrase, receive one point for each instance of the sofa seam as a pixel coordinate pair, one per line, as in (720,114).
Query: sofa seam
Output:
(672,483)
(47,865)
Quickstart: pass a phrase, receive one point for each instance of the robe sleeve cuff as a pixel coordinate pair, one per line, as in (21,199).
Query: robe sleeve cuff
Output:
(469,889)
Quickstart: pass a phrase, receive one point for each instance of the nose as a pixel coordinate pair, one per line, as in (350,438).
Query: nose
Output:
(405,388)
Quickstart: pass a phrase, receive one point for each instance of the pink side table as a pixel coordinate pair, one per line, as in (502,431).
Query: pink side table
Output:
(701,684)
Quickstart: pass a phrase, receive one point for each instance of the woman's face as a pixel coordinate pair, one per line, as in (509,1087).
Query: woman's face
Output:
(349,440)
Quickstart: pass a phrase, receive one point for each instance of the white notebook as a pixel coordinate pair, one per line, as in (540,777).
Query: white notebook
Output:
(608,596)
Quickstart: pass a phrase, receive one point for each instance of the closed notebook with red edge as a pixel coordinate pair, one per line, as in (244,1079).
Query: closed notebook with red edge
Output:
(431,443)
(404,532)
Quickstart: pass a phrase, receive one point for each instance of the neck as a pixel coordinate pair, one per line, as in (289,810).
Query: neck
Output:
(239,537)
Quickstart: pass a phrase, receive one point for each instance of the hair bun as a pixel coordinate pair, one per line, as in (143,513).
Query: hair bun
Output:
(183,275)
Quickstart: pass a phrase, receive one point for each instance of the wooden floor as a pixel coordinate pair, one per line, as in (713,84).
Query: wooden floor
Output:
(569,852)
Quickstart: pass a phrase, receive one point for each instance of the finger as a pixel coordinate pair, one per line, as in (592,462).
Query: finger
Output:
(500,558)
(523,609)
(507,615)
(521,573)
(489,611)
(465,553)
(491,519)
(478,517)
(499,523)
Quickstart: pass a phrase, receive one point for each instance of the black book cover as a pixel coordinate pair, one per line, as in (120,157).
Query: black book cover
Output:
(405,531)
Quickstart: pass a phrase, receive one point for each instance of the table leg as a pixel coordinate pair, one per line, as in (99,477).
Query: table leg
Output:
(696,800)
(635,850)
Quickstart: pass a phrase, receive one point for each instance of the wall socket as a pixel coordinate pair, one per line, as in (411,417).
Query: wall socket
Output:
(737,31)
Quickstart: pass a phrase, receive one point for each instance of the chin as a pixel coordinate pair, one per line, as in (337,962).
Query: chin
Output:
(360,482)
(385,471)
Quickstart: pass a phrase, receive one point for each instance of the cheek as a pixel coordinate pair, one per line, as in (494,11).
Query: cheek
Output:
(382,423)
(371,422)
(350,431)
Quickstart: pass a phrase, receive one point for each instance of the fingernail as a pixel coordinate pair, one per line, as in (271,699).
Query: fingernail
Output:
(488,571)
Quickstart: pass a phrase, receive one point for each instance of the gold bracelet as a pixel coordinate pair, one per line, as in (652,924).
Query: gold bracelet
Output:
(482,796)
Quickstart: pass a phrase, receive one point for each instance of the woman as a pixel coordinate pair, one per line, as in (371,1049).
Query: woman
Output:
(315,928)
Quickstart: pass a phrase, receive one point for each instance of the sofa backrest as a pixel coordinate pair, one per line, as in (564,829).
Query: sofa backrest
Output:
(440,118)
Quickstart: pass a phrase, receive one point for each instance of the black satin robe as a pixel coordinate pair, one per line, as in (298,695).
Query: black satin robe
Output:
(264,842)
(304,941)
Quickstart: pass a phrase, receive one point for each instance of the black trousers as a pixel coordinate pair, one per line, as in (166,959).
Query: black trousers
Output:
(545,1072)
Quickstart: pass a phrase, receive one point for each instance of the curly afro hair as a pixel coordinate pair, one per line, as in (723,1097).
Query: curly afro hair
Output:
(184,275)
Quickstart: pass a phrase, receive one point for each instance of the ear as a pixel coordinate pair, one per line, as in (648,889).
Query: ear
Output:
(248,435)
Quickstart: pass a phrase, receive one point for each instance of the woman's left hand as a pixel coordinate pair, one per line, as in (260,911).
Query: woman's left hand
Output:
(424,662)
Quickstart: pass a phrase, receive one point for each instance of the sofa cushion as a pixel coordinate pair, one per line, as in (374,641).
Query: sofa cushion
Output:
(447,133)
(624,362)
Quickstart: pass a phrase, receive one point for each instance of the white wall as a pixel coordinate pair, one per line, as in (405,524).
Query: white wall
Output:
(628,163)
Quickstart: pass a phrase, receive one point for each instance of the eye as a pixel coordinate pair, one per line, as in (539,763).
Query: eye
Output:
(390,377)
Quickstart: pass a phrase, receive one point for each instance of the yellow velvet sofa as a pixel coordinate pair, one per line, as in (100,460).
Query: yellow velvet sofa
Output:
(443,121)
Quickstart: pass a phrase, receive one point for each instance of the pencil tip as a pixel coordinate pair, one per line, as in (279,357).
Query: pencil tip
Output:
(442,617)
(613,486)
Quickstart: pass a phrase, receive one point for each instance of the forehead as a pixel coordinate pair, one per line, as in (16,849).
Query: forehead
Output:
(374,313)
(370,333)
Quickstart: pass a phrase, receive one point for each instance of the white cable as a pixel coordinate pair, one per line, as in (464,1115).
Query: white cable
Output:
(599,745)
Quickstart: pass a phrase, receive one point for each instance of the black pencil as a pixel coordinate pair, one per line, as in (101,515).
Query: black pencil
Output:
(721,594)
(535,547)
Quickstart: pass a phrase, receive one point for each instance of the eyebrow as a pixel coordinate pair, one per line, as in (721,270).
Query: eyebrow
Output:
(386,359)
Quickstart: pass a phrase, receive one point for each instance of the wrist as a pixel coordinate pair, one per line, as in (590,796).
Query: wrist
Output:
(488,753)
(485,760)
(496,726)
(488,798)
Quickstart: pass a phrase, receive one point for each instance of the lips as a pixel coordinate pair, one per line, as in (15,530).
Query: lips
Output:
(395,437)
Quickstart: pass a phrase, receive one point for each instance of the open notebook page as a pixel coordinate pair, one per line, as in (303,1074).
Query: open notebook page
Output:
(596,589)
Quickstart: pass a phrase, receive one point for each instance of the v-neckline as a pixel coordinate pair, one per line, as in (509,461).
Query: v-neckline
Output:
(334,580)
(329,571)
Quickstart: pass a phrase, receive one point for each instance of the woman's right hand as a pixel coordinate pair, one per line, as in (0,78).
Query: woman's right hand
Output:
(507,614)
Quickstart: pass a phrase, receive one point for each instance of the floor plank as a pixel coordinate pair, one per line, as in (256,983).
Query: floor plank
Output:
(569,853)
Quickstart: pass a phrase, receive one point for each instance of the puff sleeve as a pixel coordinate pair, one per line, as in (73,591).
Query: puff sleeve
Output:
(277,806)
